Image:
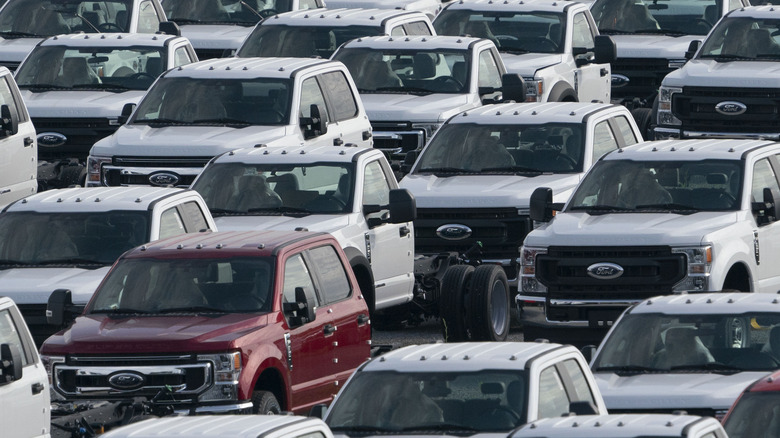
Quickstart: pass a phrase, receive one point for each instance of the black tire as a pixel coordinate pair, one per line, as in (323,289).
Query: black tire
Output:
(454,286)
(489,309)
(643,118)
(265,403)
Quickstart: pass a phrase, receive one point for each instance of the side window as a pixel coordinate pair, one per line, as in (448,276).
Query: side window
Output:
(10,335)
(625,130)
(334,283)
(582,34)
(308,4)
(763,176)
(344,103)
(194,217)
(7,98)
(581,388)
(148,21)
(398,31)
(489,74)
(181,57)
(603,140)
(376,190)
(171,223)
(296,274)
(311,94)
(553,401)
(316,434)
(417,28)
(734,4)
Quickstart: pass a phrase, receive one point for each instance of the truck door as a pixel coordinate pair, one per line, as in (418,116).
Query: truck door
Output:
(592,80)
(312,94)
(344,110)
(18,150)
(767,236)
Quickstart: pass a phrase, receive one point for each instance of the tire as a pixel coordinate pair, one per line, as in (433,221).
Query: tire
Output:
(265,403)
(643,118)
(454,286)
(489,309)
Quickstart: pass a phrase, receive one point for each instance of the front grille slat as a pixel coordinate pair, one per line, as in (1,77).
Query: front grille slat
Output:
(645,76)
(695,107)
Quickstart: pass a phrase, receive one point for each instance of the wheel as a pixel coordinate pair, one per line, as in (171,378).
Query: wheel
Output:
(265,403)
(643,119)
(109,27)
(489,304)
(454,286)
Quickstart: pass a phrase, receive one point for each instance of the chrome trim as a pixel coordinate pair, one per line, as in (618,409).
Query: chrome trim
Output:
(592,303)
(146,371)
(737,135)
(526,298)
(129,359)
(146,171)
(218,409)
(398,135)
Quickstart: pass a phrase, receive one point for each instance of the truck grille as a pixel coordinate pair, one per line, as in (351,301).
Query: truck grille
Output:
(703,412)
(35,317)
(397,139)
(204,54)
(644,74)
(695,107)
(115,176)
(81,134)
(648,271)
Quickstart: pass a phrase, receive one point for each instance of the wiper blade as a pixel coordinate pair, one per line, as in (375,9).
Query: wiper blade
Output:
(283,209)
(198,309)
(437,170)
(669,32)
(185,21)
(10,34)
(408,90)
(629,368)
(161,122)
(600,208)
(726,57)
(513,169)
(43,87)
(440,426)
(120,311)
(711,366)
(221,121)
(361,428)
(102,87)
(224,211)
(15,262)
(513,51)
(670,206)
(614,32)
(71,261)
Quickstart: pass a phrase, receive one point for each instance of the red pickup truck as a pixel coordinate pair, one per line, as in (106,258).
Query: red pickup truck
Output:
(232,322)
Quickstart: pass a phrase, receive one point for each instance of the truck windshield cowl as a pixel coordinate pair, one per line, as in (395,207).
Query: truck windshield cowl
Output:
(202,286)
(527,150)
(743,38)
(681,187)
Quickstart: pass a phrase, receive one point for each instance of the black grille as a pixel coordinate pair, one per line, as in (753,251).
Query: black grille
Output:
(35,317)
(115,177)
(703,412)
(403,138)
(695,107)
(644,74)
(648,271)
(81,134)
(204,54)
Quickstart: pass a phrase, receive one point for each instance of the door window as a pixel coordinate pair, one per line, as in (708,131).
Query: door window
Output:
(194,217)
(398,31)
(376,189)
(553,401)
(417,28)
(296,274)
(181,57)
(582,34)
(582,390)
(7,98)
(489,73)
(763,176)
(344,103)
(334,283)
(9,334)
(148,20)
(626,132)
(311,94)
(171,223)
(603,140)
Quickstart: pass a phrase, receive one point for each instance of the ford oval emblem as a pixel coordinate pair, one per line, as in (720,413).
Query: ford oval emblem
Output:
(453,232)
(164,179)
(51,139)
(731,108)
(605,271)
(619,81)
(126,380)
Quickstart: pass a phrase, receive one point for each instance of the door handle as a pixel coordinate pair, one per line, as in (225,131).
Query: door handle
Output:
(362,319)
(604,72)
(338,142)
(37,388)
(329,329)
(28,141)
(404,231)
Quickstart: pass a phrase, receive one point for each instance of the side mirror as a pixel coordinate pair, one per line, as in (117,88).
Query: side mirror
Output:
(605,50)
(318,411)
(10,123)
(408,163)
(582,407)
(170,28)
(10,363)
(315,125)
(127,111)
(541,208)
(402,206)
(513,87)
(588,351)
(302,311)
(693,47)
(767,211)
(60,303)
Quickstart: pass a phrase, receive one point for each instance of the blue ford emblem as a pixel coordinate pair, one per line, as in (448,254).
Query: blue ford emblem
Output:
(619,81)
(163,179)
(453,232)
(126,380)
(51,139)
(605,271)
(731,108)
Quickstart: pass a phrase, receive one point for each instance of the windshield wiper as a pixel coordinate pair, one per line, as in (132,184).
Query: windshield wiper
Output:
(224,212)
(7,262)
(670,206)
(724,57)
(614,32)
(438,170)
(186,309)
(11,34)
(360,428)
(102,87)
(513,51)
(43,87)
(72,261)
(669,32)
(161,121)
(283,209)
(405,90)
(185,21)
(221,121)
(120,311)
(600,208)
(440,426)
(629,369)
(711,366)
(514,169)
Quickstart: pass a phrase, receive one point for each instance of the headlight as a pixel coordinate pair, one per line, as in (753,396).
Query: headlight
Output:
(227,370)
(528,280)
(665,116)
(534,89)
(94,170)
(429,128)
(49,363)
(699,261)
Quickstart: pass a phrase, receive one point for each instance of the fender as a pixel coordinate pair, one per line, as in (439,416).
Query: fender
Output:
(262,359)
(562,91)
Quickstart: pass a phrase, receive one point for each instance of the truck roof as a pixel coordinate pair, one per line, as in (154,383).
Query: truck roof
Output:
(513,6)
(709,303)
(246,68)
(97,199)
(764,11)
(689,150)
(109,40)
(340,17)
(552,112)
(466,356)
(295,154)
(614,426)
(239,426)
(419,42)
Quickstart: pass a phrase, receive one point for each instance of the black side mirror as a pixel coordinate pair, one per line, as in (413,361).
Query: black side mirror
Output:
(408,163)
(59,308)
(170,28)
(588,351)
(315,125)
(693,47)
(605,50)
(582,407)
(318,411)
(542,207)
(766,211)
(302,311)
(513,87)
(10,122)
(127,111)
(10,363)
(402,206)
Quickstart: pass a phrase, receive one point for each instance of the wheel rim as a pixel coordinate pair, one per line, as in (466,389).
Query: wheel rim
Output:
(498,305)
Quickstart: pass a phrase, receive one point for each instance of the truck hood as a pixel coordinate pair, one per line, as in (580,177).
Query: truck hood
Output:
(101,334)
(34,285)
(672,391)
(314,222)
(93,104)
(580,228)
(409,107)
(653,46)
(527,64)
(201,141)
(16,49)
(213,36)
(739,74)
(432,191)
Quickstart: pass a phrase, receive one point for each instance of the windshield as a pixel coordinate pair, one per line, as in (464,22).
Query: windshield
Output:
(754,414)
(625,185)
(480,401)
(197,101)
(656,342)
(109,68)
(301,41)
(70,238)
(473,148)
(202,285)
(415,71)
(240,12)
(743,38)
(532,31)
(43,18)
(267,189)
(675,17)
